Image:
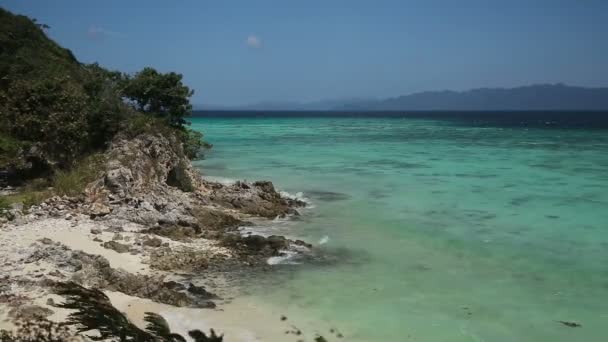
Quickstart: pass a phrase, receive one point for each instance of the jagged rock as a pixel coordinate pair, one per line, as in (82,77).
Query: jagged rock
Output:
(95,271)
(116,246)
(185,259)
(256,244)
(118,180)
(99,209)
(213,219)
(258,198)
(95,231)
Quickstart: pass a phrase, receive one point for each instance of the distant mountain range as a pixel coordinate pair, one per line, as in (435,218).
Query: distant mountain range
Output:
(534,97)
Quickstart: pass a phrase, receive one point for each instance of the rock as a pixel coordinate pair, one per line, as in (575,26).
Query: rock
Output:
(57,274)
(152,242)
(116,246)
(46,241)
(118,180)
(213,219)
(259,198)
(99,209)
(173,232)
(50,302)
(117,236)
(302,243)
(30,312)
(256,243)
(97,239)
(185,259)
(200,292)
(95,231)
(277,242)
(95,271)
(68,217)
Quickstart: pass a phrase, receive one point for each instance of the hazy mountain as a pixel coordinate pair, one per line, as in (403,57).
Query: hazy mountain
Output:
(534,97)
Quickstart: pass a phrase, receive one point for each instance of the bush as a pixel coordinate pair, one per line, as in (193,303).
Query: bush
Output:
(11,152)
(49,112)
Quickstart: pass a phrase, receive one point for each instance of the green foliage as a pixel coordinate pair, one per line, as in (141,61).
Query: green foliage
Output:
(94,311)
(11,151)
(48,98)
(194,143)
(161,94)
(55,110)
(27,53)
(158,326)
(69,182)
(49,112)
(33,193)
(140,123)
(4,206)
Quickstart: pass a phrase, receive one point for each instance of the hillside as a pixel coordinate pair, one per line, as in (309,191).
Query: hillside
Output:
(55,111)
(534,97)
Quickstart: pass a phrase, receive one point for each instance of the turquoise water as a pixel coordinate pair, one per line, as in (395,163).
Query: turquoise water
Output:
(447,232)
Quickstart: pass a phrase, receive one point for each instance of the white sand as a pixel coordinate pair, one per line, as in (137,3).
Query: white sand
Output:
(243,319)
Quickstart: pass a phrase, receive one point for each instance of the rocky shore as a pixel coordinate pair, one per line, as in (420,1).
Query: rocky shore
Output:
(146,224)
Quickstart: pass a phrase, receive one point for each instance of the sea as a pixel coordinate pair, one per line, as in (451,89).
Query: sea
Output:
(437,226)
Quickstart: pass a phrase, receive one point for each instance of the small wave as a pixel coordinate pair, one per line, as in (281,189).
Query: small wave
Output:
(285,259)
(324,240)
(298,196)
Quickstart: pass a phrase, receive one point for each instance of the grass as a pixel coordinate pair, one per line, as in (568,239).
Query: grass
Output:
(70,182)
(75,180)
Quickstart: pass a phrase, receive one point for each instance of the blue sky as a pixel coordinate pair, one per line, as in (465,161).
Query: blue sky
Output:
(236,52)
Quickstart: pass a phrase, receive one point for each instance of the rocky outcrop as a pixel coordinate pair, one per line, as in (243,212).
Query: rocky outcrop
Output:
(95,271)
(258,198)
(178,259)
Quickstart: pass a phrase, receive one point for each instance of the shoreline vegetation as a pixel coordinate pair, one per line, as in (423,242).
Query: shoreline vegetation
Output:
(101,210)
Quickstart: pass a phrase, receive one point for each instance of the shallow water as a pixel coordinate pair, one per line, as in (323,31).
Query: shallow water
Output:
(445,230)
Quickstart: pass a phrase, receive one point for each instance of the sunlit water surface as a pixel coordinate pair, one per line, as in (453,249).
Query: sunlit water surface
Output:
(444,230)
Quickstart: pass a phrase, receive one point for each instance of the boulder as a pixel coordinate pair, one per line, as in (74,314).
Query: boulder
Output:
(152,242)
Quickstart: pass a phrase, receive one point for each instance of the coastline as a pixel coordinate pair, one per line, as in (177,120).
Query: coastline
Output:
(136,226)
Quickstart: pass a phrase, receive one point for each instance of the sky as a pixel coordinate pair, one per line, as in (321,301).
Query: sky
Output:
(240,52)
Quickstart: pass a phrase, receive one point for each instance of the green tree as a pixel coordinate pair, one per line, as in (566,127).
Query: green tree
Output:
(161,94)
(51,113)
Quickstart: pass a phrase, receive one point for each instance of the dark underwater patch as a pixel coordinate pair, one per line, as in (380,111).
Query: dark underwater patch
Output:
(328,196)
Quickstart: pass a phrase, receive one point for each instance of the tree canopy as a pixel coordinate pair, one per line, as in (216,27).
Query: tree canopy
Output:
(55,110)
(161,94)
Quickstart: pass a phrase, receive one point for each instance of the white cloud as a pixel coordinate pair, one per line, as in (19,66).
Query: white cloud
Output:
(254,41)
(98,33)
